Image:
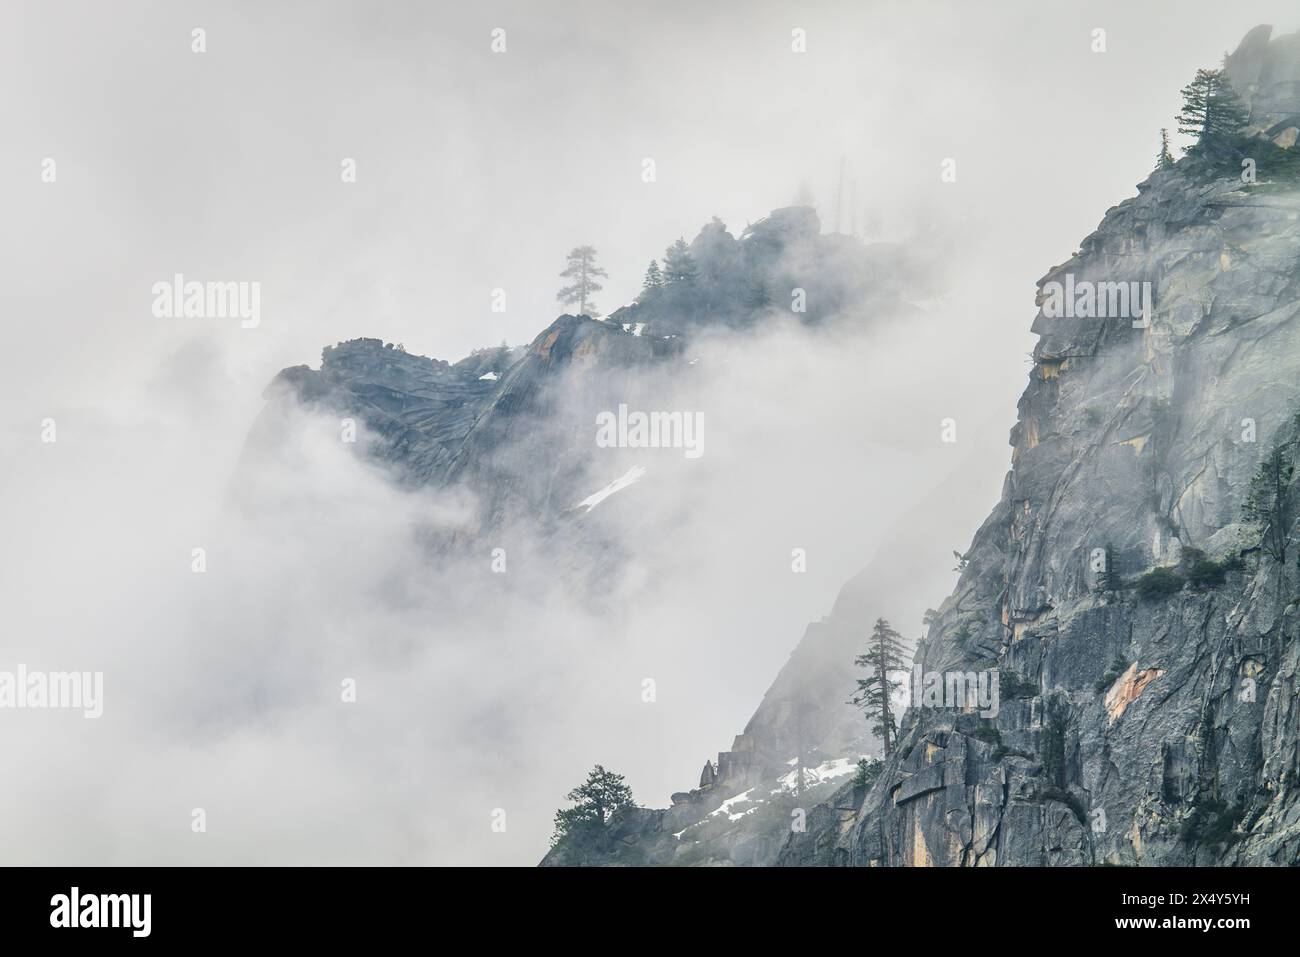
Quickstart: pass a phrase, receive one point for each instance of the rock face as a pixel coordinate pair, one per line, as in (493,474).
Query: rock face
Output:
(514,425)
(419,410)
(1267,77)
(1146,642)
(712,826)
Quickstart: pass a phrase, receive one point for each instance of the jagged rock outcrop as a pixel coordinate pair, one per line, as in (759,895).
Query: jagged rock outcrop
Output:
(1267,75)
(514,425)
(419,409)
(513,429)
(435,424)
(1146,642)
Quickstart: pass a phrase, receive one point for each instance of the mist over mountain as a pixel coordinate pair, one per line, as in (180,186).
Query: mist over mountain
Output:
(1112,681)
(383,540)
(552,519)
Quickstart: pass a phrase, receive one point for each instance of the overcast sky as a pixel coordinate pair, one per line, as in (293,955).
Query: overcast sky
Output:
(479,170)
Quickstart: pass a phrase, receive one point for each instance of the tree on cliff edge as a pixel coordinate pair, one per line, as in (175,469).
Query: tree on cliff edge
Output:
(679,265)
(1211,111)
(885,654)
(653,277)
(1166,158)
(595,801)
(582,269)
(1269,500)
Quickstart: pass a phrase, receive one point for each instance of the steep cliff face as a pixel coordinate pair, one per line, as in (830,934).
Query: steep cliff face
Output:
(1144,637)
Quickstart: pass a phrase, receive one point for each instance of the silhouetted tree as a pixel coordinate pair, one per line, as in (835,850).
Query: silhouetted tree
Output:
(595,800)
(1166,158)
(1211,111)
(582,269)
(867,772)
(1268,504)
(885,654)
(653,277)
(679,265)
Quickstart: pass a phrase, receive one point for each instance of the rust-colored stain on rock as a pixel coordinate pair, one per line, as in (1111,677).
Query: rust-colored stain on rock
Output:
(544,350)
(1127,688)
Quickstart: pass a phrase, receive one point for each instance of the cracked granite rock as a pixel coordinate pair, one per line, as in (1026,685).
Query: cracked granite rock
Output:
(1147,726)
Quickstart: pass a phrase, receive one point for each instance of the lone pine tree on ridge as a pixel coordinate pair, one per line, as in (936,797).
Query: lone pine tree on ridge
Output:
(582,269)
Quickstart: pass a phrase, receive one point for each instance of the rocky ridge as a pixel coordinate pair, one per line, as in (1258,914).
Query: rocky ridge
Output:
(513,427)
(1145,641)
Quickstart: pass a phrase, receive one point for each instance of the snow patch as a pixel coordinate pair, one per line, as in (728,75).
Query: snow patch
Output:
(488,377)
(726,806)
(828,771)
(678,834)
(591,501)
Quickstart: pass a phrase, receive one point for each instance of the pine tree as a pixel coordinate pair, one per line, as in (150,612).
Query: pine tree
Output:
(1166,158)
(653,277)
(1268,503)
(679,265)
(885,654)
(595,801)
(867,772)
(583,270)
(1211,111)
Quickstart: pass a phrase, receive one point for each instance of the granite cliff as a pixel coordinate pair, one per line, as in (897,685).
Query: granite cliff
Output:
(1139,610)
